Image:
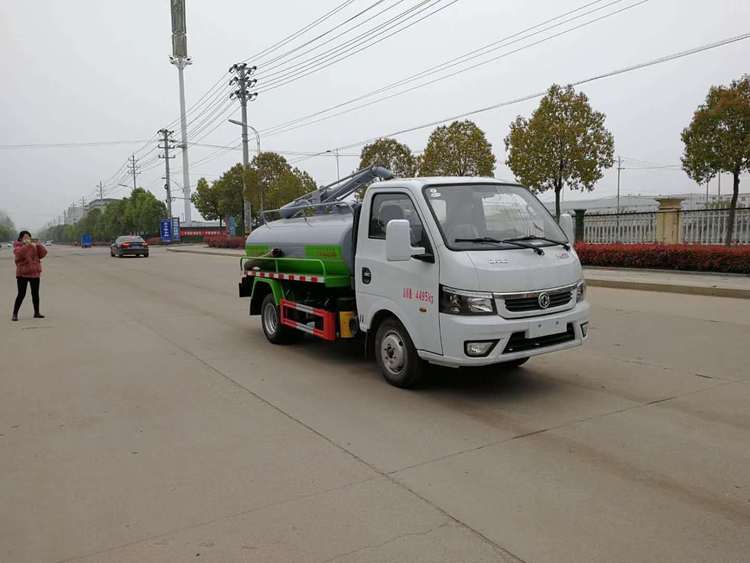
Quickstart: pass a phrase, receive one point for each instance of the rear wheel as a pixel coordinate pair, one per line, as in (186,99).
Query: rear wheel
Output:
(270,319)
(396,355)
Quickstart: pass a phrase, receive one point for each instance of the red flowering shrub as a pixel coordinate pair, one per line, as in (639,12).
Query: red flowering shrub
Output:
(224,241)
(701,258)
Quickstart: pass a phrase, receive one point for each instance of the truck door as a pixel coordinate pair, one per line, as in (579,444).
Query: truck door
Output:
(409,289)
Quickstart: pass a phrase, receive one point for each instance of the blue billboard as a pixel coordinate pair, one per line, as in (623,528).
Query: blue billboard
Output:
(175,229)
(165,230)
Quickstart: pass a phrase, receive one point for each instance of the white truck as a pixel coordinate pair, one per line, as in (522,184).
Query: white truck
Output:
(448,271)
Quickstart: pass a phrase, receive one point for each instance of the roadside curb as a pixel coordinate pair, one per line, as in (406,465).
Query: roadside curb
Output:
(735,293)
(685,273)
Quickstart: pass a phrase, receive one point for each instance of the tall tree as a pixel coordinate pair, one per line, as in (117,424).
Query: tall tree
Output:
(229,193)
(459,149)
(271,177)
(206,201)
(718,139)
(7,228)
(564,143)
(390,154)
(143,212)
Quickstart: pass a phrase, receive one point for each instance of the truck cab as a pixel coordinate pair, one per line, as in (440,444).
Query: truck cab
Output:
(463,272)
(448,271)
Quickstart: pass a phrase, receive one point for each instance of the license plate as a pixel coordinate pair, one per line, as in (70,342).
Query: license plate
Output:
(546,327)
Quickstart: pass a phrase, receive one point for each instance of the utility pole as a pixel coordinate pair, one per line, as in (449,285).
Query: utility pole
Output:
(101,190)
(243,82)
(180,59)
(166,138)
(133,169)
(619,169)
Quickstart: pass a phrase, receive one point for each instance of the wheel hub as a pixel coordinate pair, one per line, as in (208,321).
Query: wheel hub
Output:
(393,353)
(270,318)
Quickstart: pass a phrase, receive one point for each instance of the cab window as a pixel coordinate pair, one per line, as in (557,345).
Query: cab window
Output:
(387,207)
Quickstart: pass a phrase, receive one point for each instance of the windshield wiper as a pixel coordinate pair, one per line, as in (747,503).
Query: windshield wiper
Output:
(565,245)
(511,242)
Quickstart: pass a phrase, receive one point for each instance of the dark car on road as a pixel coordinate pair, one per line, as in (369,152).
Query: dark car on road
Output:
(129,246)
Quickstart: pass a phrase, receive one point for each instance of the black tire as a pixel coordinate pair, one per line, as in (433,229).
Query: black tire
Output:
(396,355)
(270,320)
(515,363)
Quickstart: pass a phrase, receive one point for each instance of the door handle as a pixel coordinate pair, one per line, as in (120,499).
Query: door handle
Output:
(366,276)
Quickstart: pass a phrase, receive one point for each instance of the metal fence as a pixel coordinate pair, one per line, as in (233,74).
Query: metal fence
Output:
(708,226)
(625,227)
(699,226)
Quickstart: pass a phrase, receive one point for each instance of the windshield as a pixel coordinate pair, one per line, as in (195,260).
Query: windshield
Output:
(492,212)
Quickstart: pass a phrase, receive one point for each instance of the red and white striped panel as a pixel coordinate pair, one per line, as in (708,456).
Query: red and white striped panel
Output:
(304,308)
(288,277)
(328,332)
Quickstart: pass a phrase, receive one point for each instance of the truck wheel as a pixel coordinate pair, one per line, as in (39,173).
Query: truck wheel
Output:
(270,319)
(396,355)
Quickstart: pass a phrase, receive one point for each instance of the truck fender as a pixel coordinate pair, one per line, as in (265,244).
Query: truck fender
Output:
(380,307)
(261,288)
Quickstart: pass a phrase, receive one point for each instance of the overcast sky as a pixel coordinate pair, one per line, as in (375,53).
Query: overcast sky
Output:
(87,70)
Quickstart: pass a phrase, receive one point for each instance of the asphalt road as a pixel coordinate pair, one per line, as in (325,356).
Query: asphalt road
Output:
(146,419)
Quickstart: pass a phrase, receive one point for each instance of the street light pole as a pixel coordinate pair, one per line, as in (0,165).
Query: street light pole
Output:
(619,169)
(257,148)
(335,152)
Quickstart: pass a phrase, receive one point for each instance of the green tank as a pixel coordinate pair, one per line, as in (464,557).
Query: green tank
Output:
(310,246)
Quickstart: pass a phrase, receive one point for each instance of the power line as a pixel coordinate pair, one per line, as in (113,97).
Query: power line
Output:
(320,63)
(291,37)
(367,38)
(216,92)
(623,70)
(348,20)
(299,122)
(70,144)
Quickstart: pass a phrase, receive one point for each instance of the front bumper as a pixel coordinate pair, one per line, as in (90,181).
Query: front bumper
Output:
(456,330)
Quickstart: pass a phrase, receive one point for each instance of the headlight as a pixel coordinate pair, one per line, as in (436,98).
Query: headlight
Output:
(580,291)
(456,302)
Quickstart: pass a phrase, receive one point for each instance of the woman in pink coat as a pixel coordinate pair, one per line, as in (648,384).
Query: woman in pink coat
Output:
(28,256)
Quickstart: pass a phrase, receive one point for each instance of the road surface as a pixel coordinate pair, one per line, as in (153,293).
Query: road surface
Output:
(146,419)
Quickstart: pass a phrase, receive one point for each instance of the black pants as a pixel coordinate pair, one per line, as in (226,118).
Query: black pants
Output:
(22,283)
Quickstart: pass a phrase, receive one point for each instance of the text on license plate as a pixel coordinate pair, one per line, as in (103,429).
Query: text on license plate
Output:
(546,327)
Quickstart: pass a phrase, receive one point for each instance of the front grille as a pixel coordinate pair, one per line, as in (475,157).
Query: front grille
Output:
(519,343)
(525,304)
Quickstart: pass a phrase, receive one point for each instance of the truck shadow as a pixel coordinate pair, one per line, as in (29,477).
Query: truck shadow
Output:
(486,382)
(479,382)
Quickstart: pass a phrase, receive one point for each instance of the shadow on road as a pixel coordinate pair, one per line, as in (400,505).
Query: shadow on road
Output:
(484,383)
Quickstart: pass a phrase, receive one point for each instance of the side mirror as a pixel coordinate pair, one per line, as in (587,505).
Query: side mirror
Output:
(398,246)
(566,224)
